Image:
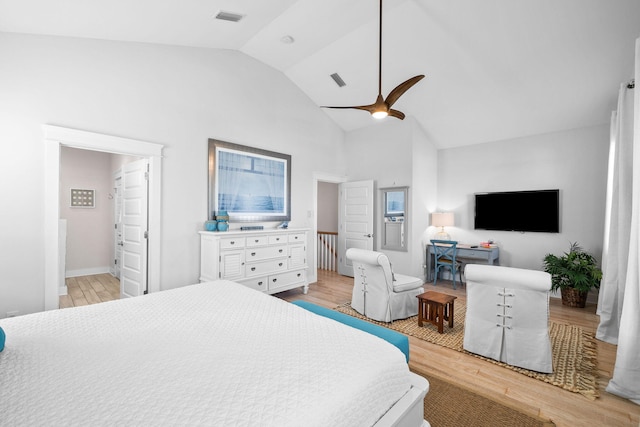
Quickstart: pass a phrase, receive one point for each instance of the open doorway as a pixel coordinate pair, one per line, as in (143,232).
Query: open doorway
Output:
(55,139)
(354,212)
(322,182)
(327,225)
(91,206)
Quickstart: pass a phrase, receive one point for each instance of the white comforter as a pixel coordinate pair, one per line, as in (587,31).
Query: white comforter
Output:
(215,354)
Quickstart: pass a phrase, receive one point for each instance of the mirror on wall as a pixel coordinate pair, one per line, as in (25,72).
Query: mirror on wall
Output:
(394,218)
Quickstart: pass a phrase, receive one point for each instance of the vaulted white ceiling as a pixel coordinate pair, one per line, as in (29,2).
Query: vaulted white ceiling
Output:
(495,69)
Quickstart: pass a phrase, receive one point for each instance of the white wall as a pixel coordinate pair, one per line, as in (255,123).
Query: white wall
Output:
(424,195)
(395,154)
(89,230)
(119,160)
(382,153)
(574,161)
(175,96)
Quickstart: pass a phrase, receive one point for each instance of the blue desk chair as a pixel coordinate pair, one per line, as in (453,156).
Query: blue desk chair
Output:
(444,254)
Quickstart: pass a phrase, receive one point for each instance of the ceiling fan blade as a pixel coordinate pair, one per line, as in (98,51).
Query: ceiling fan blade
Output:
(397,114)
(401,89)
(368,108)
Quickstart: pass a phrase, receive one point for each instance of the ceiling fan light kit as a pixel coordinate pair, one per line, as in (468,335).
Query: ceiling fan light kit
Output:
(382,107)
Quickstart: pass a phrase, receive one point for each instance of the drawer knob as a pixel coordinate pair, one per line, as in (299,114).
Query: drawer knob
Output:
(232,242)
(280,251)
(257,240)
(253,269)
(279,264)
(260,283)
(253,254)
(274,280)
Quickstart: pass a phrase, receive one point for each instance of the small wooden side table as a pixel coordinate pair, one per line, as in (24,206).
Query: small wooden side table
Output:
(435,307)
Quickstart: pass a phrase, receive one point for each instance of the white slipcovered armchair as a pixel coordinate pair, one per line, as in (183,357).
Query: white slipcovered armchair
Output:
(508,316)
(378,293)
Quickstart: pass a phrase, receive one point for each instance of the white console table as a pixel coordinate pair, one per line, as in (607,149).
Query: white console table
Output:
(268,260)
(466,254)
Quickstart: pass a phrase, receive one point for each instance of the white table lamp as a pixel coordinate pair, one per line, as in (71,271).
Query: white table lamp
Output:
(442,220)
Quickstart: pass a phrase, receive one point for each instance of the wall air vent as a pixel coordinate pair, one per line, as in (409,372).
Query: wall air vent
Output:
(336,78)
(229,16)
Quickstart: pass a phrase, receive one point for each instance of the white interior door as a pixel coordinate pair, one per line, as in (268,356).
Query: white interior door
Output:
(133,271)
(355,221)
(117,220)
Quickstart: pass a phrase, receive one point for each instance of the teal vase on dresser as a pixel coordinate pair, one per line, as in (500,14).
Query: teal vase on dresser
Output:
(223,220)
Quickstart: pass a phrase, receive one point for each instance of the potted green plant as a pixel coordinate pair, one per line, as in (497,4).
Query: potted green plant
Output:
(574,273)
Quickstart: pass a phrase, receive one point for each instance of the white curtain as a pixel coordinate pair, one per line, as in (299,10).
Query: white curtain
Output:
(619,302)
(617,217)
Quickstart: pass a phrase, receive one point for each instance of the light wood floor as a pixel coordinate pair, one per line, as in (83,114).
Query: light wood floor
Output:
(564,408)
(93,289)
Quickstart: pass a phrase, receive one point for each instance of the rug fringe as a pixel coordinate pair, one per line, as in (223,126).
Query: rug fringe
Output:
(590,360)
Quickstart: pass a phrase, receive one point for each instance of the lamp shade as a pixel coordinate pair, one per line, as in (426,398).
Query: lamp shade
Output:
(442,219)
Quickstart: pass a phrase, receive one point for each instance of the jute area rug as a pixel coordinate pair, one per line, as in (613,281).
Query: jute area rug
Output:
(573,349)
(471,409)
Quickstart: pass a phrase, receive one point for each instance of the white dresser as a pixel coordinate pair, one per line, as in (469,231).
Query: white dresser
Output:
(268,260)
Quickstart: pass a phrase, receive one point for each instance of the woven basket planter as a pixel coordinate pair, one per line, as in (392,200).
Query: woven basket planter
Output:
(573,298)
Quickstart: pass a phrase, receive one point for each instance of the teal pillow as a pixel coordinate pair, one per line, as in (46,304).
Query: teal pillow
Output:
(2,337)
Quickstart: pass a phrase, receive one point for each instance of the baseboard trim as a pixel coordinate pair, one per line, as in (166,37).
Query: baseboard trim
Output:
(87,271)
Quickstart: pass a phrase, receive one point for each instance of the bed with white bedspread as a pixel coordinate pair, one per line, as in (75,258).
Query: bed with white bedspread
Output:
(215,354)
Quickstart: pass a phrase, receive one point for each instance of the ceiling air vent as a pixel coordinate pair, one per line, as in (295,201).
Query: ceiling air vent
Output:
(336,78)
(229,16)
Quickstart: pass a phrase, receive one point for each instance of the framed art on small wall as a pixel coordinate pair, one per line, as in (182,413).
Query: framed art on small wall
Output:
(81,198)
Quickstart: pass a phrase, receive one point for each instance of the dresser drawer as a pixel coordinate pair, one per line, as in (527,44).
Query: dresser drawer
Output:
(257,241)
(265,267)
(473,254)
(258,254)
(285,279)
(257,283)
(274,240)
(297,238)
(232,243)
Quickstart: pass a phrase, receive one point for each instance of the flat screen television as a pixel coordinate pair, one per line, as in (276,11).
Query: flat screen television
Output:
(537,211)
